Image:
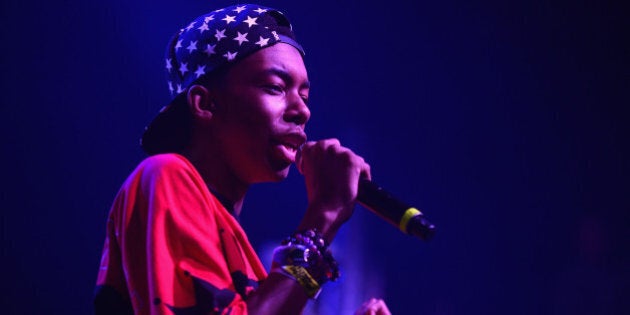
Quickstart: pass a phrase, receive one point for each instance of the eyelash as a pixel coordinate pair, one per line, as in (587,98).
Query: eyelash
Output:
(275,88)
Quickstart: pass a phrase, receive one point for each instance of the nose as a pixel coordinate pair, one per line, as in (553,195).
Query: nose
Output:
(297,111)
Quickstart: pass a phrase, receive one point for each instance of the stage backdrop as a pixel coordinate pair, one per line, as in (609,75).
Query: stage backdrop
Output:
(503,121)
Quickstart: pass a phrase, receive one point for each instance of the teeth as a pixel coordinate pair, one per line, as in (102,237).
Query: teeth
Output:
(289,147)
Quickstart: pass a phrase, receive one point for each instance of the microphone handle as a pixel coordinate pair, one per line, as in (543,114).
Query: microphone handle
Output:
(401,215)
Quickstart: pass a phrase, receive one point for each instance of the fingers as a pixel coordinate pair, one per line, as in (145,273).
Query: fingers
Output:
(366,171)
(331,174)
(373,307)
(330,153)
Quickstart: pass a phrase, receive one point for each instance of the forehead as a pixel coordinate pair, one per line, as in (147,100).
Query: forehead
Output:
(279,58)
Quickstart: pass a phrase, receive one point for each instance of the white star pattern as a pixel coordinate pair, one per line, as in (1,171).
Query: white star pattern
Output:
(220,34)
(203,28)
(230,56)
(210,50)
(183,68)
(169,66)
(201,70)
(208,18)
(262,42)
(187,66)
(240,38)
(192,46)
(191,25)
(228,19)
(251,21)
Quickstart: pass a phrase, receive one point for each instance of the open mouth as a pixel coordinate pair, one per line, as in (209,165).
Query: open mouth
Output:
(289,145)
(288,151)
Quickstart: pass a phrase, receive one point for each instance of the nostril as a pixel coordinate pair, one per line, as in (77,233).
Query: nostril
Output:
(297,117)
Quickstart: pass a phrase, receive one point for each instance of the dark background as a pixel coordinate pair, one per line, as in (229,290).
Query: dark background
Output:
(505,121)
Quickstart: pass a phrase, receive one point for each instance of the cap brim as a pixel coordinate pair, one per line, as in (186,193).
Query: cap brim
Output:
(170,130)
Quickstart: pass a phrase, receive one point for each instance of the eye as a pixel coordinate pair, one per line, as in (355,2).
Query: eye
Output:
(304,99)
(274,89)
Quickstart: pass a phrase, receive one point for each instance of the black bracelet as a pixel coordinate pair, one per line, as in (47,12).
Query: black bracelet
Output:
(321,264)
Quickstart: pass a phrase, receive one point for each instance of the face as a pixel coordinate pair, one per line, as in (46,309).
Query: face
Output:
(260,114)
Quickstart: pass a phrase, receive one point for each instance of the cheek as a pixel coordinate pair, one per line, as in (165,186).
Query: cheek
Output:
(247,132)
(260,117)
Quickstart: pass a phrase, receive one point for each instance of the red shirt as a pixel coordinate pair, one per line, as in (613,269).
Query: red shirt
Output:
(173,248)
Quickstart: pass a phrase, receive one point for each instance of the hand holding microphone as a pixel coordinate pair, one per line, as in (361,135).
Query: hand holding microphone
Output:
(331,174)
(336,177)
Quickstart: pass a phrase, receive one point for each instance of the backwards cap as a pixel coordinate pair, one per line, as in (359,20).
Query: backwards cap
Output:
(209,42)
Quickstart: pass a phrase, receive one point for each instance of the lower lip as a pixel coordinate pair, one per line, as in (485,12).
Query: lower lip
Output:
(286,153)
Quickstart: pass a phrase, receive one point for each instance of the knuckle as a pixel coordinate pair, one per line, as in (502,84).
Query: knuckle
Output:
(307,146)
(347,156)
(331,142)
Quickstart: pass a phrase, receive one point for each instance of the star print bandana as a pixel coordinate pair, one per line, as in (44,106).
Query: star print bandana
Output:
(213,40)
(220,37)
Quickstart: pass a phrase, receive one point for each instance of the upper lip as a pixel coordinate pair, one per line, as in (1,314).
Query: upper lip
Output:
(293,139)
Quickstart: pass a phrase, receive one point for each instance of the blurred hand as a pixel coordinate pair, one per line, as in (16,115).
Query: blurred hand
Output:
(373,307)
(331,174)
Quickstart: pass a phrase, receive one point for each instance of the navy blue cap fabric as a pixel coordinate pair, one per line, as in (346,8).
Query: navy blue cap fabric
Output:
(220,37)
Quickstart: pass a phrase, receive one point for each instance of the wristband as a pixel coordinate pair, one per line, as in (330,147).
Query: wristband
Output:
(306,258)
(303,277)
(323,267)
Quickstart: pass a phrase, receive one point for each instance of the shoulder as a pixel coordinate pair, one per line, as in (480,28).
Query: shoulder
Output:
(170,177)
(168,167)
(167,164)
(164,163)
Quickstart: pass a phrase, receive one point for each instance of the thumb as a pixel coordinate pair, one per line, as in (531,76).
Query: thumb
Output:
(298,160)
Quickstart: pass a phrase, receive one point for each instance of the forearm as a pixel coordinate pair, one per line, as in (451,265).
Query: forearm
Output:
(324,219)
(283,294)
(331,175)
(278,294)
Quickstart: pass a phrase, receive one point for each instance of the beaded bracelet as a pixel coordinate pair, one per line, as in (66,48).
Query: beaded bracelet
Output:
(324,268)
(306,258)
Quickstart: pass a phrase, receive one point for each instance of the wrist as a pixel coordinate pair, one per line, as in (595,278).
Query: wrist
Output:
(306,258)
(326,220)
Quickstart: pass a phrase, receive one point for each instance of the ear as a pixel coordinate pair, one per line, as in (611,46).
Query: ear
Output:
(200,101)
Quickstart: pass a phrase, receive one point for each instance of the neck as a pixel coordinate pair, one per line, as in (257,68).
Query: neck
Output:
(217,175)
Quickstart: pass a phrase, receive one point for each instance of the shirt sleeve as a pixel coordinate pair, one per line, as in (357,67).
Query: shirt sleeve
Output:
(172,246)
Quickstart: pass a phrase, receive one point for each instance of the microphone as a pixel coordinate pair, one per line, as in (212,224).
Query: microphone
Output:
(401,215)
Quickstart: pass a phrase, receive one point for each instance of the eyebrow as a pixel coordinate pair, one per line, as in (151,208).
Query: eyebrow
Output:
(284,75)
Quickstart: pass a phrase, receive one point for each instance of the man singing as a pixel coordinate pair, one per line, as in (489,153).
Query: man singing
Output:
(237,117)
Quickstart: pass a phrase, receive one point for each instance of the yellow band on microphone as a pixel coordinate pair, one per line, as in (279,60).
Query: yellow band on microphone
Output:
(410,213)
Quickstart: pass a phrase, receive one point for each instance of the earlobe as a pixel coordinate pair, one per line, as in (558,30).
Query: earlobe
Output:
(200,101)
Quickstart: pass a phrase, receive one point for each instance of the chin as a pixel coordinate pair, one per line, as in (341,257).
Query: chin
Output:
(278,170)
(271,175)
(281,174)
